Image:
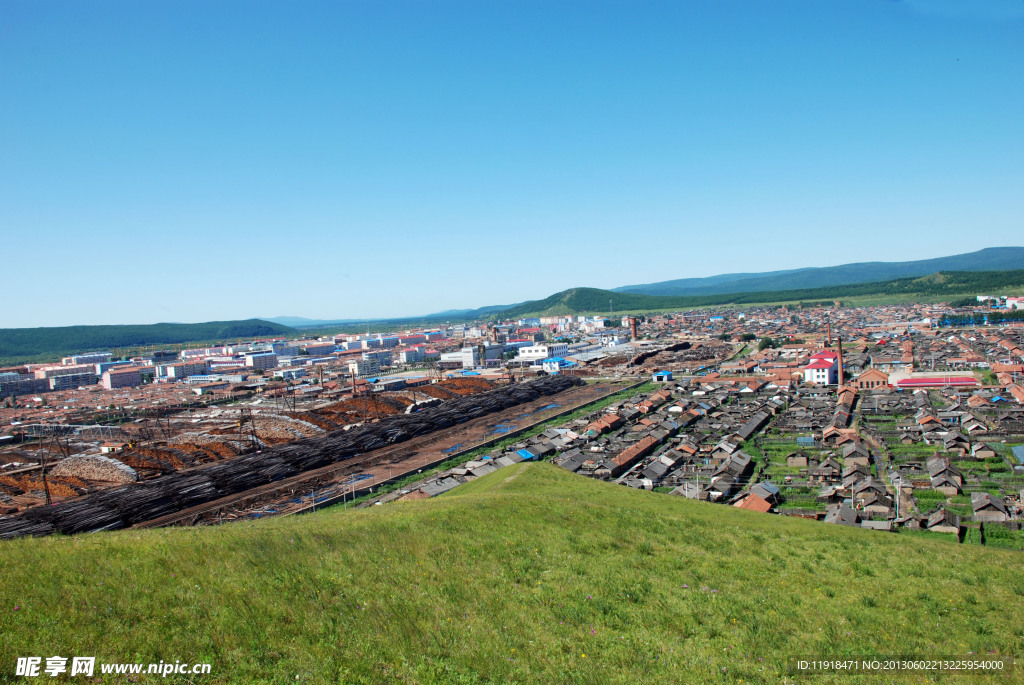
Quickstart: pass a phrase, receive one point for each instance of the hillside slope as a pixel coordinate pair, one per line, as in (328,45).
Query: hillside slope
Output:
(988,259)
(530,574)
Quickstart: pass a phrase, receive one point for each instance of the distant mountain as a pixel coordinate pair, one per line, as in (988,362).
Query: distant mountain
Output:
(301,322)
(31,343)
(988,259)
(947,285)
(470,313)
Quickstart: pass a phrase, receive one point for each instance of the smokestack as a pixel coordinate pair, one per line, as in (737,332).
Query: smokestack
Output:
(840,351)
(829,343)
(632,327)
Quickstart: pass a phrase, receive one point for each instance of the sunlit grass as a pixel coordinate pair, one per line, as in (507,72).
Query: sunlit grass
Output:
(530,575)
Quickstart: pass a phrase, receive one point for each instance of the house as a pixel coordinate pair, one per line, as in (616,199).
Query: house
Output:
(973,426)
(865,488)
(832,494)
(753,502)
(828,471)
(662,377)
(721,488)
(856,454)
(871,379)
(842,514)
(982,450)
(823,368)
(955,443)
(942,521)
(945,478)
(766,491)
(855,473)
(988,508)
(796,459)
(689,490)
(877,504)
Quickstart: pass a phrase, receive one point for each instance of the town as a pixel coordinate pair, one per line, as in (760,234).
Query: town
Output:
(898,417)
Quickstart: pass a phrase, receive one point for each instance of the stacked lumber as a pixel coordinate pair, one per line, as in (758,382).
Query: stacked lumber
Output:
(130,504)
(96,467)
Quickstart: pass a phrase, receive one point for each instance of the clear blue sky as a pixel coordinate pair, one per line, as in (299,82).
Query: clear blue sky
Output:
(181,161)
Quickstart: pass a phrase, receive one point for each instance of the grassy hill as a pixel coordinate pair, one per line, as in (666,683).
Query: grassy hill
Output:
(988,259)
(17,344)
(953,284)
(530,574)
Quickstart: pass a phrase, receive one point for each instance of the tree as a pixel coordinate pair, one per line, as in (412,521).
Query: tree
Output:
(765,343)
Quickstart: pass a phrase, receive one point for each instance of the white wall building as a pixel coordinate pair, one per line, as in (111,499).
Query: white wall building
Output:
(535,353)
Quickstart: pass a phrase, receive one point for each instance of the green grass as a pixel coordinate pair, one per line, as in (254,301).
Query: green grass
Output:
(529,575)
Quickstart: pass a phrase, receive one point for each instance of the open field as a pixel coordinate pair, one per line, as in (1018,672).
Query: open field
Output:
(530,574)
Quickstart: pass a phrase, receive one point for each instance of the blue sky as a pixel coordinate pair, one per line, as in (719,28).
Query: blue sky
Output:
(178,161)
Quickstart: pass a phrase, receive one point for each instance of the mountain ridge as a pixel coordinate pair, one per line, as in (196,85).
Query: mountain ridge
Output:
(986,259)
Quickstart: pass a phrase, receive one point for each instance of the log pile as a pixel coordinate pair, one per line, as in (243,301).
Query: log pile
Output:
(96,467)
(130,504)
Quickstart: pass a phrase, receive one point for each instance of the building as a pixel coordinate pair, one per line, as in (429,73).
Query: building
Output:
(662,377)
(870,379)
(18,384)
(90,358)
(72,380)
(823,368)
(53,371)
(468,357)
(382,357)
(412,356)
(319,349)
(537,353)
(99,368)
(364,367)
(182,370)
(261,360)
(556,364)
(122,378)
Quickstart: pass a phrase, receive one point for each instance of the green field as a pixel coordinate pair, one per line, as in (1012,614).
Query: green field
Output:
(529,575)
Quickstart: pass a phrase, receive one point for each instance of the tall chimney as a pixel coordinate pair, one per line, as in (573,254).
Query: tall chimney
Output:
(829,343)
(840,341)
(632,327)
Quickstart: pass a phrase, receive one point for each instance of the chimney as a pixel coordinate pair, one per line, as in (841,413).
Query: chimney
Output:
(829,343)
(632,327)
(840,351)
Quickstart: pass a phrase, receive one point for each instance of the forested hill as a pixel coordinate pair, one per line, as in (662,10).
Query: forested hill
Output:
(954,285)
(988,259)
(28,343)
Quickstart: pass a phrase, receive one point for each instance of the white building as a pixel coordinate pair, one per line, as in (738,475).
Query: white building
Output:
(469,357)
(536,353)
(412,356)
(261,360)
(382,357)
(823,368)
(364,367)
